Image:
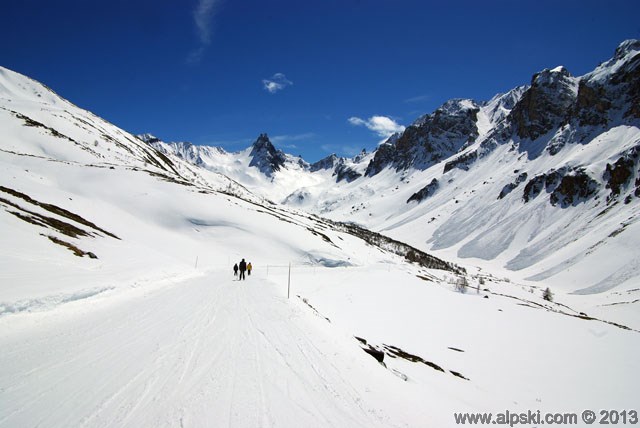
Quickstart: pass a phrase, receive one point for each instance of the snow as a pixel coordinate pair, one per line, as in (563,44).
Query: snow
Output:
(157,332)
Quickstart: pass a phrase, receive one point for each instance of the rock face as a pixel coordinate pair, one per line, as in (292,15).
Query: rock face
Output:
(545,105)
(345,172)
(574,188)
(341,170)
(557,111)
(429,139)
(425,192)
(265,157)
(511,186)
(619,175)
(566,186)
(323,164)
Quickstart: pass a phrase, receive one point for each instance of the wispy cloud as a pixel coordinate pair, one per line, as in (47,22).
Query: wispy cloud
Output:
(418,98)
(203,20)
(276,83)
(342,150)
(289,138)
(383,126)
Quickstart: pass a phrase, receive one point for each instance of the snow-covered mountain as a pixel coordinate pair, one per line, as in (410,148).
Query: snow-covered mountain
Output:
(118,305)
(542,181)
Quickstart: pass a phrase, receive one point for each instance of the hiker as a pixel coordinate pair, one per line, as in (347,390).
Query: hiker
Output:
(243,267)
(249,267)
(235,269)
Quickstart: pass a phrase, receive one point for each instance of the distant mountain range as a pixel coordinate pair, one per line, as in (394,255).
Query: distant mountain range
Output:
(543,179)
(541,182)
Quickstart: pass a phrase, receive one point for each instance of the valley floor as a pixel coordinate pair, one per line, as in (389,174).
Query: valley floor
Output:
(209,351)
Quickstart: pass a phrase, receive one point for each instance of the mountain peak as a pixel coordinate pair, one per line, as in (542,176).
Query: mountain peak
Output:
(262,140)
(627,47)
(265,156)
(550,77)
(148,138)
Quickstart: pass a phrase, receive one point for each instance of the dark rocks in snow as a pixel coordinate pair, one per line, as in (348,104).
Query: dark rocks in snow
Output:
(566,186)
(429,139)
(385,155)
(574,188)
(265,157)
(511,186)
(548,181)
(344,172)
(378,355)
(340,169)
(627,78)
(425,192)
(618,175)
(592,104)
(545,104)
(462,162)
(323,164)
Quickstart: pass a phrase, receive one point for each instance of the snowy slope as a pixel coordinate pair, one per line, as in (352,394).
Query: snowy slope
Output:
(155,331)
(540,182)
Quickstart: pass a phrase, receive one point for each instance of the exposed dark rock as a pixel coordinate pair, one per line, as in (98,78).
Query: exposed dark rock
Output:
(425,192)
(385,155)
(265,156)
(548,181)
(545,105)
(323,164)
(592,104)
(574,188)
(618,175)
(344,172)
(567,186)
(509,187)
(378,355)
(430,139)
(462,162)
(45,221)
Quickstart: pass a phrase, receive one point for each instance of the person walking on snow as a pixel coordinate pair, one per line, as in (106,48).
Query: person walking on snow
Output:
(243,267)
(235,269)
(249,267)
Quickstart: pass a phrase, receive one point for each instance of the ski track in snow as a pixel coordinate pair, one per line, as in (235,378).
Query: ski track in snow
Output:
(193,353)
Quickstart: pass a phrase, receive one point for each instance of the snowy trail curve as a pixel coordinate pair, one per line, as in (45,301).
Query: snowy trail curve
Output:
(207,351)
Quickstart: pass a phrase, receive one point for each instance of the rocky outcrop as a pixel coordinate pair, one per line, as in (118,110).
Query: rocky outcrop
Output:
(265,157)
(511,186)
(426,192)
(565,186)
(345,172)
(619,175)
(324,164)
(575,187)
(429,139)
(385,156)
(545,105)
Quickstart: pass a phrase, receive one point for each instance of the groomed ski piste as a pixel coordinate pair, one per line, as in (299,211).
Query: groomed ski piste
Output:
(118,304)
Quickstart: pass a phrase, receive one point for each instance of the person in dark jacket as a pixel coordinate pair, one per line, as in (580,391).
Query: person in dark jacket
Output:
(235,269)
(243,267)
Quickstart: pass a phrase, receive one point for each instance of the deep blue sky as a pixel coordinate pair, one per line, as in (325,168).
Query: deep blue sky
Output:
(200,70)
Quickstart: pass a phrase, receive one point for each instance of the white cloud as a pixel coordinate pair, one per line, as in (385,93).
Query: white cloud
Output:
(202,17)
(276,83)
(383,126)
